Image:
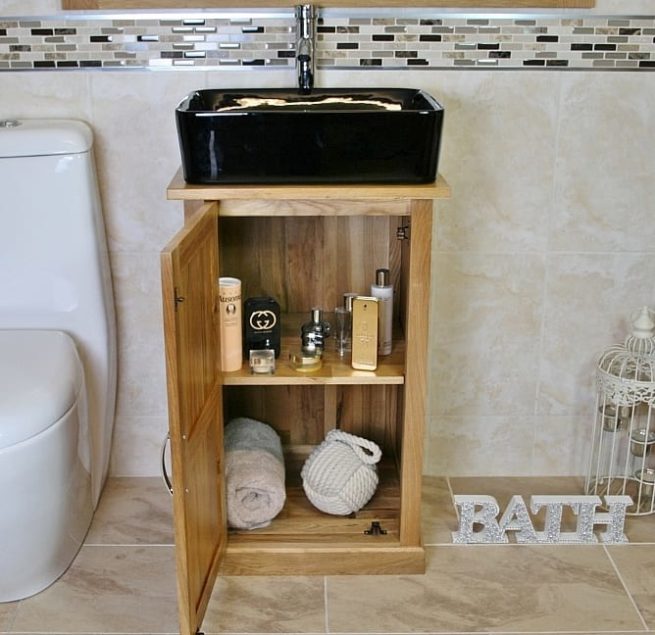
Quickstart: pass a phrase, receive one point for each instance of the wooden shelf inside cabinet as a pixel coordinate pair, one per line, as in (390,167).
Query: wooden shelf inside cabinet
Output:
(304,245)
(334,369)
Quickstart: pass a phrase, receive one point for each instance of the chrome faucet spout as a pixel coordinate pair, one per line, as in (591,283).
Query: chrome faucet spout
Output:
(305,47)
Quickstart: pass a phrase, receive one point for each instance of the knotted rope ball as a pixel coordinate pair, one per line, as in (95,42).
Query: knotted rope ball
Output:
(339,476)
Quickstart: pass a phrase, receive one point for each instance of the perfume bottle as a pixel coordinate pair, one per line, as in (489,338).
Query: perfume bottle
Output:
(383,291)
(314,333)
(229,295)
(365,333)
(342,330)
(261,325)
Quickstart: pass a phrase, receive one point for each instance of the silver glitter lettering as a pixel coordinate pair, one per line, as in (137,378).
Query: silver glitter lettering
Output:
(614,519)
(481,510)
(516,518)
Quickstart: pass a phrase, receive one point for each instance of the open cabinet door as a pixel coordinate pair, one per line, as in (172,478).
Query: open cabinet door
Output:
(190,295)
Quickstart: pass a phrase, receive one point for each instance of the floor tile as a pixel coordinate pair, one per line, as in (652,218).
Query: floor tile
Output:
(107,589)
(7,613)
(133,511)
(636,565)
(437,511)
(254,604)
(640,529)
(488,588)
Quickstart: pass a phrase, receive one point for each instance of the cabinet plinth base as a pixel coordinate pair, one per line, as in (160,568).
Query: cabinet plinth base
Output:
(328,559)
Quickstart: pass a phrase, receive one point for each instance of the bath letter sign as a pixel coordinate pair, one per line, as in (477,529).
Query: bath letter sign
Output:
(479,524)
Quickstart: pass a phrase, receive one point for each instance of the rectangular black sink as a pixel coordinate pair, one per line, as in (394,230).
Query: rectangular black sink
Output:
(348,135)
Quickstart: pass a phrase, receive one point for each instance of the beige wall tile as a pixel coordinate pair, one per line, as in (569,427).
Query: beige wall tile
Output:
(137,151)
(142,373)
(604,185)
(589,301)
(624,7)
(498,155)
(562,445)
(491,446)
(252,78)
(107,589)
(488,588)
(45,95)
(485,333)
(137,445)
(33,7)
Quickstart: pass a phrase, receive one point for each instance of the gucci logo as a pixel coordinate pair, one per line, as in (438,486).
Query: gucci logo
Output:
(262,320)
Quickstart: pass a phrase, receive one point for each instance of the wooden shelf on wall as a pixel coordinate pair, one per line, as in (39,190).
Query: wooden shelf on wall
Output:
(224,4)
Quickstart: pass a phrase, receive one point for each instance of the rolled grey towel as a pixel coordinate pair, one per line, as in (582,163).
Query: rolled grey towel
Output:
(254,473)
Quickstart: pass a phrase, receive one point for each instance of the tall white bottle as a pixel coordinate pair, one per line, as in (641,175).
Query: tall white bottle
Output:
(383,291)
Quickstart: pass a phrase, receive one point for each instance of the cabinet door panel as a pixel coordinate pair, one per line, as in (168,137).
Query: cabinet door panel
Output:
(190,296)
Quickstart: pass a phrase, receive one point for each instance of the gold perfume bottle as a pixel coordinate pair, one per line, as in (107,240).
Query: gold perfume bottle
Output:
(365,333)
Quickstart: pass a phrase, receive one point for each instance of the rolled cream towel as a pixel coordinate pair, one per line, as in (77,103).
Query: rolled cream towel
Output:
(254,473)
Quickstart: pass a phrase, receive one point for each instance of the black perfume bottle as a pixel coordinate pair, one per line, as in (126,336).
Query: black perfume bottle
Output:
(314,333)
(261,325)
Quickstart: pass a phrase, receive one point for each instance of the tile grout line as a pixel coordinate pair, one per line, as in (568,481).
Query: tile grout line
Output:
(452,498)
(625,587)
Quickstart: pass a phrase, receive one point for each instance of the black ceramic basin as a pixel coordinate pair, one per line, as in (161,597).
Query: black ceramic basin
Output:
(331,136)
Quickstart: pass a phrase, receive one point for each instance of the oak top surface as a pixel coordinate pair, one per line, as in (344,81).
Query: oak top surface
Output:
(179,189)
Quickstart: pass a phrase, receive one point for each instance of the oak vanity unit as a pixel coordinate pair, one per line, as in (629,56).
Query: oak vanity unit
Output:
(305,246)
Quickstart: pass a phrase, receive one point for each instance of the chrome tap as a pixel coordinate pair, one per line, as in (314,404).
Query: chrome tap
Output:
(305,47)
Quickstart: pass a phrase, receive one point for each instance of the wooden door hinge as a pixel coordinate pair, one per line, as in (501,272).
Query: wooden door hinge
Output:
(178,298)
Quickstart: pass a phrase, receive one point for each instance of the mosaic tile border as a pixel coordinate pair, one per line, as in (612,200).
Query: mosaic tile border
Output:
(147,41)
(346,39)
(483,41)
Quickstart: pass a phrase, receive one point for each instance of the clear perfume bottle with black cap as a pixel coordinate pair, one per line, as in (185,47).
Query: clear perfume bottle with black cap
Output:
(314,333)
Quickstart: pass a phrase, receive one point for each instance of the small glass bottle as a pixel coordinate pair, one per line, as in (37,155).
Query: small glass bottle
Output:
(343,317)
(342,330)
(314,334)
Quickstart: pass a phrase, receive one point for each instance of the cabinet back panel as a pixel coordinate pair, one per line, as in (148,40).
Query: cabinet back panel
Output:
(308,261)
(370,412)
(302,415)
(295,412)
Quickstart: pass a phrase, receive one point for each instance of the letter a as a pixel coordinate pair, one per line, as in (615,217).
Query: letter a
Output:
(485,516)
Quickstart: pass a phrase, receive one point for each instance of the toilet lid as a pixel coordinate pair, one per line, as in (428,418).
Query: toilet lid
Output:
(40,379)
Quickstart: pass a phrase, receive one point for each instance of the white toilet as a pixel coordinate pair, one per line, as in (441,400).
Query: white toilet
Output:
(57,350)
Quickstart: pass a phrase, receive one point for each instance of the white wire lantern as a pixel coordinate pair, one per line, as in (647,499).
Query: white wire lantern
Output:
(622,458)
